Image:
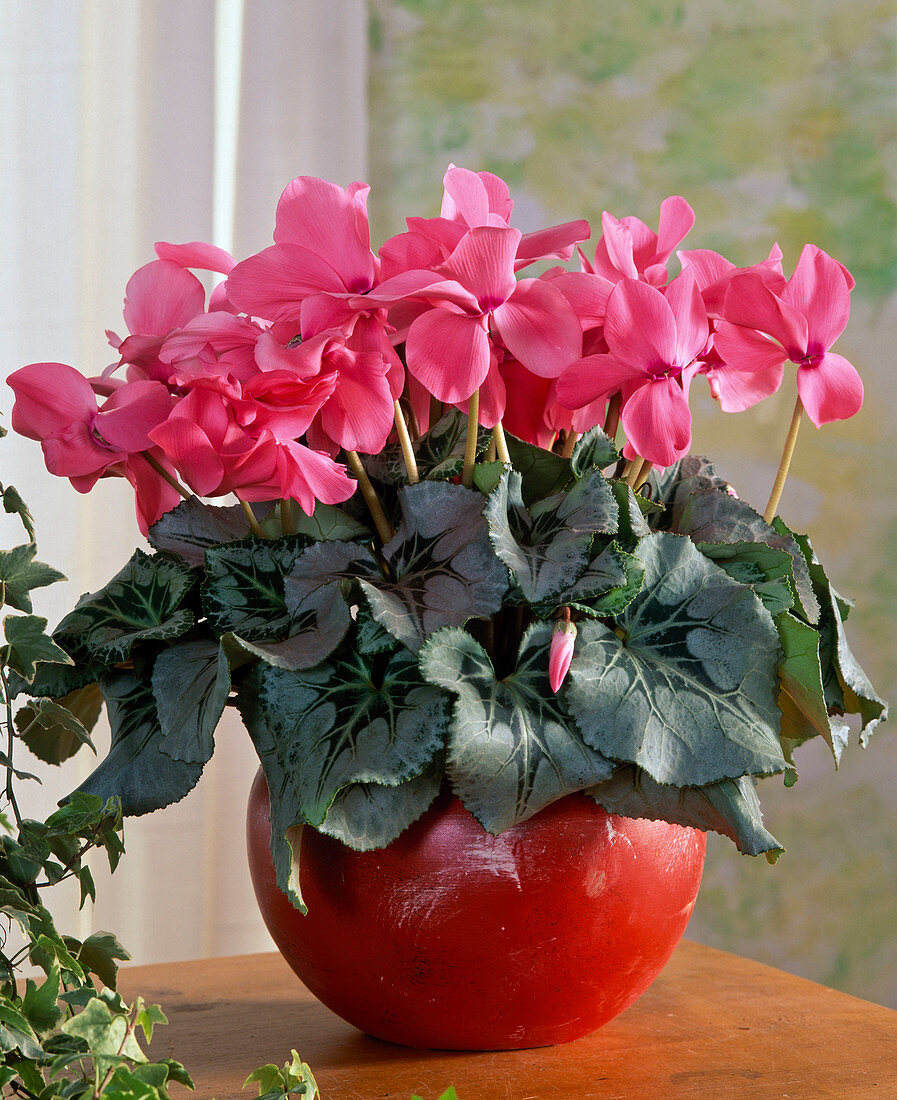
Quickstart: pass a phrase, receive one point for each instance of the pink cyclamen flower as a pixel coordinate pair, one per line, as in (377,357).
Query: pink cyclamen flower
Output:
(628,249)
(655,340)
(84,441)
(561,653)
(803,322)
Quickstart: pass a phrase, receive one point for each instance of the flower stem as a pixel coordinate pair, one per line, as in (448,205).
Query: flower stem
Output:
(163,473)
(776,495)
(642,475)
(405,444)
(254,526)
(287,519)
(632,471)
(612,420)
(384,528)
(569,443)
(470,451)
(501,444)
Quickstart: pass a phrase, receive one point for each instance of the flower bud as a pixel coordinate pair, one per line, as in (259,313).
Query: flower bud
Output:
(561,653)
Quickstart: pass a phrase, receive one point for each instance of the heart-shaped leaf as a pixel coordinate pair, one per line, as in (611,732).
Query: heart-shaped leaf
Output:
(673,486)
(136,769)
(768,570)
(445,569)
(593,450)
(191,683)
(141,603)
(356,719)
(800,674)
(687,691)
(369,815)
(512,750)
(547,547)
(713,515)
(193,527)
(544,472)
(730,807)
(243,591)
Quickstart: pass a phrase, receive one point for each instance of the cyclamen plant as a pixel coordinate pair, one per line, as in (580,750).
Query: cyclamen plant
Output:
(477,588)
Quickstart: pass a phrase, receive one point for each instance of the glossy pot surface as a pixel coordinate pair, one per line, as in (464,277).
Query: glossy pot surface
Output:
(452,938)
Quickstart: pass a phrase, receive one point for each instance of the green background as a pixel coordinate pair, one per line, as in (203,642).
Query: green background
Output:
(777,123)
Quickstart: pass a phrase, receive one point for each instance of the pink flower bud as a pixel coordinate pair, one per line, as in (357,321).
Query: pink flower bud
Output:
(561,653)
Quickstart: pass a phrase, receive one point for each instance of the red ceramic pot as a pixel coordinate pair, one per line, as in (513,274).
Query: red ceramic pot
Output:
(456,939)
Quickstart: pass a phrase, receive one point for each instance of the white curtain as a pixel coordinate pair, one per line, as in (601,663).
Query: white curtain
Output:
(122,123)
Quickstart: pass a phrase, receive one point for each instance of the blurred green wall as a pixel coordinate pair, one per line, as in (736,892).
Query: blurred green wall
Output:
(777,122)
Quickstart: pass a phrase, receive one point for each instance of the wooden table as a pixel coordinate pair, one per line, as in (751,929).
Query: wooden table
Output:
(713,1026)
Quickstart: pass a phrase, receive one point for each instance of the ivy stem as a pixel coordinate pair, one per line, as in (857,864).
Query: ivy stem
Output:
(501,444)
(612,420)
(254,525)
(569,443)
(470,451)
(776,495)
(10,745)
(163,473)
(384,528)
(405,444)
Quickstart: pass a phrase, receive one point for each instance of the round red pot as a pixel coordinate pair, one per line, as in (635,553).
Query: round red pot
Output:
(451,938)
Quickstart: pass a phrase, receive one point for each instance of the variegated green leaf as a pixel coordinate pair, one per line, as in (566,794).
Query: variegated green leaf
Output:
(191,683)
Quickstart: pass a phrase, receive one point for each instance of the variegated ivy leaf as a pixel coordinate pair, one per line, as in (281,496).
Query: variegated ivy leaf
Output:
(445,569)
(136,769)
(141,603)
(712,515)
(547,547)
(685,686)
(20,574)
(355,719)
(28,646)
(369,815)
(243,590)
(730,807)
(512,749)
(192,528)
(191,683)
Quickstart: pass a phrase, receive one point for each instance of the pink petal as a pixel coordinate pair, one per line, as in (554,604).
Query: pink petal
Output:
(153,496)
(465,198)
(639,326)
(539,328)
(738,390)
(131,413)
(819,290)
(74,452)
(360,414)
(449,353)
(594,378)
(328,221)
(749,302)
(308,476)
(657,422)
(493,398)
(745,349)
(483,263)
(50,397)
(560,655)
(369,334)
(161,296)
(526,396)
(554,243)
(273,282)
(587,294)
(676,219)
(191,452)
(198,254)
(830,389)
(692,326)
(410,251)
(617,241)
